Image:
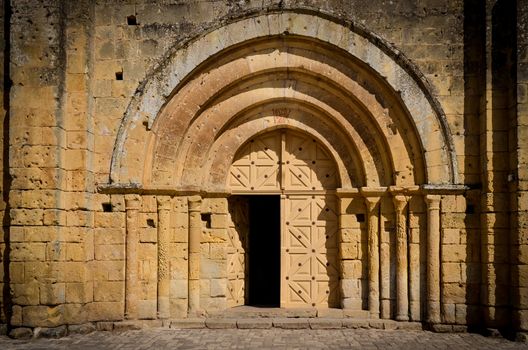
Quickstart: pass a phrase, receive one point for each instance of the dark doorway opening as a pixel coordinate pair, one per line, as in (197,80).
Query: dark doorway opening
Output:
(264,251)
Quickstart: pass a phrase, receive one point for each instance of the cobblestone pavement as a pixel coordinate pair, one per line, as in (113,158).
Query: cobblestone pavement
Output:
(265,339)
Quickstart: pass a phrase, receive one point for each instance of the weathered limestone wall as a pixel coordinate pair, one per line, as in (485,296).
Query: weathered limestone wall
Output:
(36,144)
(213,265)
(75,67)
(519,222)
(4,252)
(50,162)
(108,262)
(460,270)
(353,254)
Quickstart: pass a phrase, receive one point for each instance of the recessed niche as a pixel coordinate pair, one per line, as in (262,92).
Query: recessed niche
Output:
(151,223)
(132,20)
(206,219)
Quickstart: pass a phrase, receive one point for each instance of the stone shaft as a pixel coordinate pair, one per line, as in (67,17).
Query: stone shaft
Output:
(433,260)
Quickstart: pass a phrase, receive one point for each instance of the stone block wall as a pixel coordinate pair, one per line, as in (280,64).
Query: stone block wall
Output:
(75,67)
(353,254)
(417,256)
(519,192)
(214,255)
(105,299)
(4,188)
(460,258)
(178,265)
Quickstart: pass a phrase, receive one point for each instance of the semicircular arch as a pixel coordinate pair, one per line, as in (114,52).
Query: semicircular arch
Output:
(405,95)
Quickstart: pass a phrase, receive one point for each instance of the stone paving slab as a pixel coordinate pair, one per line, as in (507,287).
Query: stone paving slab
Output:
(188,323)
(254,323)
(326,323)
(220,323)
(291,323)
(273,338)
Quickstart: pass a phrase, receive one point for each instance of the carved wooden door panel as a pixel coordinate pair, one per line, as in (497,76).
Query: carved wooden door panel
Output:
(309,264)
(257,165)
(236,252)
(306,165)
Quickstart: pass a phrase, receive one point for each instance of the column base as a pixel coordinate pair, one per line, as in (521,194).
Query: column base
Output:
(403,318)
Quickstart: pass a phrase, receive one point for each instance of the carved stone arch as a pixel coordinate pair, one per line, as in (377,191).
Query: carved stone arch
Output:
(386,67)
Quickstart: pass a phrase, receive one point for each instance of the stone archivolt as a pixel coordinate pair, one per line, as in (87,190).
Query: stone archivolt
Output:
(343,90)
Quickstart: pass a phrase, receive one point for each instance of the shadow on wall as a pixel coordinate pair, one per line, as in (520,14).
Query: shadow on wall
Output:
(503,119)
(474,109)
(488,284)
(6,312)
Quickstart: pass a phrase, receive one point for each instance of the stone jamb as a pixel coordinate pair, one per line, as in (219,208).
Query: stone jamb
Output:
(372,198)
(195,233)
(132,206)
(341,195)
(164,219)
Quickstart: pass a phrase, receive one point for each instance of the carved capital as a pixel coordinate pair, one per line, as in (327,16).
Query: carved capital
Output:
(433,202)
(164,202)
(399,202)
(132,201)
(195,203)
(371,203)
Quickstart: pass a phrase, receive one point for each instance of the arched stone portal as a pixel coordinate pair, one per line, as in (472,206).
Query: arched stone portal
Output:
(283,76)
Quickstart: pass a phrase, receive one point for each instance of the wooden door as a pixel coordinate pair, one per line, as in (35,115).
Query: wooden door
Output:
(309,253)
(300,169)
(237,250)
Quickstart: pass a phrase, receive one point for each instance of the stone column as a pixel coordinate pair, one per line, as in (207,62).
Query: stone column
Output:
(402,294)
(433,258)
(373,256)
(386,215)
(195,233)
(132,205)
(164,209)
(416,226)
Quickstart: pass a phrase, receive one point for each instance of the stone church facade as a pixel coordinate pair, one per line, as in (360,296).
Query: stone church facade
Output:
(173,159)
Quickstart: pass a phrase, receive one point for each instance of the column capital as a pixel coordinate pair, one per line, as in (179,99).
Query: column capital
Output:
(195,202)
(132,201)
(371,203)
(433,201)
(399,201)
(164,202)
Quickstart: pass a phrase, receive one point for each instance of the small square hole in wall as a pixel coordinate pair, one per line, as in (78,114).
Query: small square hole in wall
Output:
(151,223)
(119,75)
(132,20)
(360,217)
(107,207)
(206,218)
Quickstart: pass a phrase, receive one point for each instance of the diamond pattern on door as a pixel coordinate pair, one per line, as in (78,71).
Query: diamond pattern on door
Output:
(256,166)
(236,252)
(309,270)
